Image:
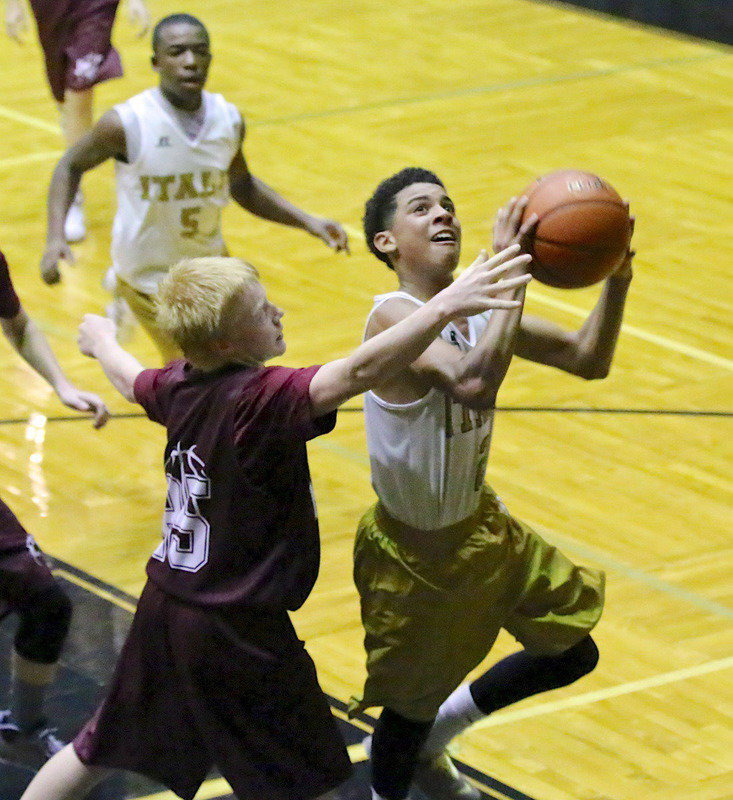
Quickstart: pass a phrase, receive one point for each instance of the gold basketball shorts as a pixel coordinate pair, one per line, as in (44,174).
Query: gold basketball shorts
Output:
(433,602)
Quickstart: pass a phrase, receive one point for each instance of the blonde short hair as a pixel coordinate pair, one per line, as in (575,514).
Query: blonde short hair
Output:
(193,297)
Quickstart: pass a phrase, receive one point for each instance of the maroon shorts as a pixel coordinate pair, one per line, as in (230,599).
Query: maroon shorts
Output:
(76,39)
(196,688)
(23,567)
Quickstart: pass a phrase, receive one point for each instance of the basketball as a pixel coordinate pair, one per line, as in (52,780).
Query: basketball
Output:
(583,231)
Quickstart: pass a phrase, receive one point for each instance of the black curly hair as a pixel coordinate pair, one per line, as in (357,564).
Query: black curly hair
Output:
(173,19)
(380,207)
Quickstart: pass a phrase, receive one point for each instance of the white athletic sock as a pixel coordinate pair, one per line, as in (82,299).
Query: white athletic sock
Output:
(375,796)
(456,714)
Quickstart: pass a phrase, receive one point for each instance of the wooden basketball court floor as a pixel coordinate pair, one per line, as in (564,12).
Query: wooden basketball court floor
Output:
(631,474)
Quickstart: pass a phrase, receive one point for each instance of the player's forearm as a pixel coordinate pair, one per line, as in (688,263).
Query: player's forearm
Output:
(597,339)
(378,359)
(263,201)
(31,344)
(64,184)
(383,356)
(120,367)
(484,367)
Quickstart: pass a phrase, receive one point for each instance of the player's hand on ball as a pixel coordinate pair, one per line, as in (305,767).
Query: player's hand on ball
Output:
(625,269)
(508,226)
(93,330)
(55,251)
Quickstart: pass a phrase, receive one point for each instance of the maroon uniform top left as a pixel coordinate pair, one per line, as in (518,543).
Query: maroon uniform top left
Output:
(12,535)
(9,302)
(240,525)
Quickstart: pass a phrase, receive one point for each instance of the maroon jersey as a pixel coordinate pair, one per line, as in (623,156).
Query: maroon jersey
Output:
(240,524)
(9,302)
(76,39)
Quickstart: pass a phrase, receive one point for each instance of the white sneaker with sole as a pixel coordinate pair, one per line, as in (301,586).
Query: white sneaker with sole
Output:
(121,314)
(75,227)
(437,778)
(34,746)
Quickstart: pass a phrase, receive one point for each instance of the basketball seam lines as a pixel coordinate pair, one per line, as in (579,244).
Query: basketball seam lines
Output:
(577,247)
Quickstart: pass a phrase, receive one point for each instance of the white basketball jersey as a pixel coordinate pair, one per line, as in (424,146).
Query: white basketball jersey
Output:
(428,457)
(170,197)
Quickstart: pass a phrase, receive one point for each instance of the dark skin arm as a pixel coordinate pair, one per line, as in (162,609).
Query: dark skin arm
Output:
(263,201)
(105,140)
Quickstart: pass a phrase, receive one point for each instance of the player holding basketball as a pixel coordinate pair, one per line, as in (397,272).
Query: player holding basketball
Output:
(440,565)
(212,671)
(27,587)
(178,157)
(75,37)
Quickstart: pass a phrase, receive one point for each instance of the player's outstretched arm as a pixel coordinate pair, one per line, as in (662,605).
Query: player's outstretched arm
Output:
(105,140)
(29,341)
(479,288)
(263,201)
(97,340)
(588,352)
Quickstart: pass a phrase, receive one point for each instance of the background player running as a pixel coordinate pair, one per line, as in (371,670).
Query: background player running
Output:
(178,159)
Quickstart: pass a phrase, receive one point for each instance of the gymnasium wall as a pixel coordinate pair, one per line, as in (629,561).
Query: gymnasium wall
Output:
(708,19)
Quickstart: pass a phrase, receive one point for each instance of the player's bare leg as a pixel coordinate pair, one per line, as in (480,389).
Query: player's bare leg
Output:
(64,777)
(76,121)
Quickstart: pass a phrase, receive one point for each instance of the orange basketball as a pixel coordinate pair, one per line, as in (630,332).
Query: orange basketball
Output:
(584,229)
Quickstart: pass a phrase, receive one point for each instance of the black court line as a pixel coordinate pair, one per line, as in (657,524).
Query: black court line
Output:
(102,616)
(654,412)
(492,88)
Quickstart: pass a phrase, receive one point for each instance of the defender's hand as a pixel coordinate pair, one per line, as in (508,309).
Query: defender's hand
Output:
(93,330)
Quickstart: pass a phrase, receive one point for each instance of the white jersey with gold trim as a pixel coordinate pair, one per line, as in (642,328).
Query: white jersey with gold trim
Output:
(428,458)
(170,195)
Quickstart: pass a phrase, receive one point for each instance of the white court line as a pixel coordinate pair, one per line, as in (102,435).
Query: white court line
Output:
(27,119)
(29,158)
(632,330)
(506,717)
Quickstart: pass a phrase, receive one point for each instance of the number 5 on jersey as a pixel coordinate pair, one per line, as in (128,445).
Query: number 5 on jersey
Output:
(190,221)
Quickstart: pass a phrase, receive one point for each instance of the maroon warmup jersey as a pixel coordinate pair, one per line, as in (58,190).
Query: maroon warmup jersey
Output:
(240,526)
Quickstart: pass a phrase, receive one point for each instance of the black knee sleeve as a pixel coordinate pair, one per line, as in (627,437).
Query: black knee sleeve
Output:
(396,744)
(581,658)
(522,674)
(44,625)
